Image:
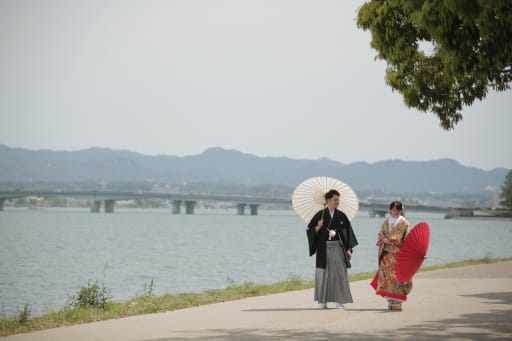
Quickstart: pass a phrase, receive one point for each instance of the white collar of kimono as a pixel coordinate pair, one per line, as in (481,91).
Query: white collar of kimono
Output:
(395,220)
(331,212)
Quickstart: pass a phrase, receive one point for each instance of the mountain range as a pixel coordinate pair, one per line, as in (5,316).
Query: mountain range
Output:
(217,165)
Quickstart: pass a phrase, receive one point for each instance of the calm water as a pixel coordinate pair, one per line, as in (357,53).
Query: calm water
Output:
(48,254)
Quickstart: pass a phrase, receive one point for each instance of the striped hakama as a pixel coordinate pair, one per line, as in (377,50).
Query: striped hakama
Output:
(331,283)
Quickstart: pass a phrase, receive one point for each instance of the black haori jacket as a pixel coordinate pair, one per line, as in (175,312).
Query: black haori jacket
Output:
(317,241)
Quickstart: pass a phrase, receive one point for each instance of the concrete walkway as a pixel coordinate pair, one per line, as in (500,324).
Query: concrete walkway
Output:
(469,303)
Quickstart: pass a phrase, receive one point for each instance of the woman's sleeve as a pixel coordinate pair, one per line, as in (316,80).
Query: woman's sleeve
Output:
(382,234)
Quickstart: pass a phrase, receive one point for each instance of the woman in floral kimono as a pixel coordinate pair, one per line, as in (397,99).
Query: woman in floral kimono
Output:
(391,236)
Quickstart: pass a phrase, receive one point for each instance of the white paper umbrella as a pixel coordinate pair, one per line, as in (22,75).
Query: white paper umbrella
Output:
(308,197)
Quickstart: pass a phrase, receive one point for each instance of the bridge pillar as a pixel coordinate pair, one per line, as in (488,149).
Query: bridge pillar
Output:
(254,209)
(109,206)
(189,207)
(240,208)
(2,204)
(95,206)
(176,206)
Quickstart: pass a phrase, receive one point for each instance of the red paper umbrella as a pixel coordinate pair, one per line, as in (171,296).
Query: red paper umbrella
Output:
(413,252)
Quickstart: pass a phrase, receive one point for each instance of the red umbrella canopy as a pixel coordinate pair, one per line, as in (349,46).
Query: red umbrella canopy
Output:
(413,252)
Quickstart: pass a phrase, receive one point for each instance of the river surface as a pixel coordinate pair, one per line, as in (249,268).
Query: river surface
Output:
(47,255)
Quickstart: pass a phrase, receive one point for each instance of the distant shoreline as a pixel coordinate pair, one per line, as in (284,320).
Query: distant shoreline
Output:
(481,217)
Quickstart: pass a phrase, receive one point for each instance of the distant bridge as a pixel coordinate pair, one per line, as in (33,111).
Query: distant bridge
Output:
(189,200)
(110,197)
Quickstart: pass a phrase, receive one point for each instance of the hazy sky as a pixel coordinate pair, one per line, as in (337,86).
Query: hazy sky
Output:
(272,78)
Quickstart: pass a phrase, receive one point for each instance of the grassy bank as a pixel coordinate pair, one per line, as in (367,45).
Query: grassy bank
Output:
(82,312)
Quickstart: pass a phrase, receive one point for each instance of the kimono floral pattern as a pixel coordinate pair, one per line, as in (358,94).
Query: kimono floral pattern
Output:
(389,242)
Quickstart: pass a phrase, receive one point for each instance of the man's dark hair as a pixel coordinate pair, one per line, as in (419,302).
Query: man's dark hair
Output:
(331,193)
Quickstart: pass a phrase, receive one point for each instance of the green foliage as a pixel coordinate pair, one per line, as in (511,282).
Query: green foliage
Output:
(93,295)
(231,282)
(16,322)
(506,192)
(148,289)
(24,315)
(472,50)
(58,202)
(148,203)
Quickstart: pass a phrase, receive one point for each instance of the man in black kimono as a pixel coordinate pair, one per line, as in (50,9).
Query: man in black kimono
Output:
(331,237)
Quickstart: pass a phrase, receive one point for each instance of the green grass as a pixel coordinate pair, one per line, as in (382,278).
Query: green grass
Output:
(149,303)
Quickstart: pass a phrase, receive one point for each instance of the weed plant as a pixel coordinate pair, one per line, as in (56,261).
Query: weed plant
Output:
(94,295)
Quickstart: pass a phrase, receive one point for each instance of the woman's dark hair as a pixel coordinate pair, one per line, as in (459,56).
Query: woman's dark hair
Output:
(396,204)
(331,193)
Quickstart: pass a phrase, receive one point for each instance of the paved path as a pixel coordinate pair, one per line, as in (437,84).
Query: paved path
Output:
(469,303)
